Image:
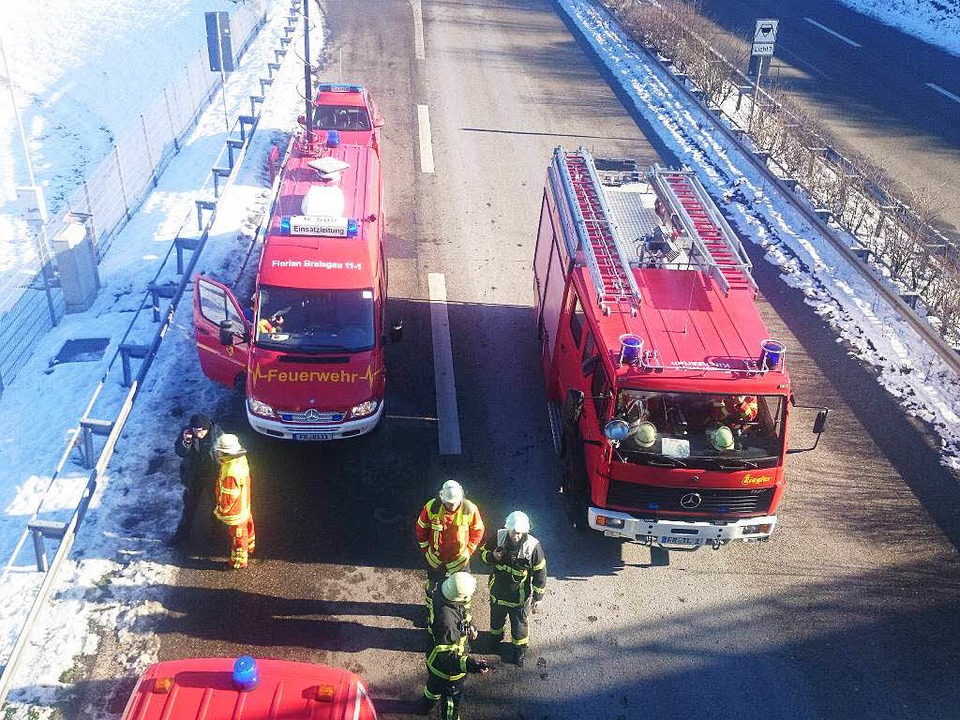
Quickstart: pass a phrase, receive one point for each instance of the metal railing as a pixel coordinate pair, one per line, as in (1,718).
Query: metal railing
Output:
(149,325)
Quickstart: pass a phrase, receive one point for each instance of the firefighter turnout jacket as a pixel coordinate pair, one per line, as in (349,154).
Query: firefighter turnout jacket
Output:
(449,659)
(233,491)
(521,571)
(448,539)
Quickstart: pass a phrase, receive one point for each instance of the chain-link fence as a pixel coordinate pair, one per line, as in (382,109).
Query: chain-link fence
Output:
(31,297)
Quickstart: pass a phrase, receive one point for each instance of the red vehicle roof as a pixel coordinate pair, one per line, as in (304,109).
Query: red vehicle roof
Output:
(314,261)
(688,320)
(203,689)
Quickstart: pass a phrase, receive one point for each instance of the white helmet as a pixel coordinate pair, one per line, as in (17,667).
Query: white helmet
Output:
(722,438)
(451,492)
(459,587)
(518,522)
(228,444)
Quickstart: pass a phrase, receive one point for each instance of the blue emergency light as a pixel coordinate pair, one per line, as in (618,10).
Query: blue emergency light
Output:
(333,138)
(245,674)
(339,88)
(353,227)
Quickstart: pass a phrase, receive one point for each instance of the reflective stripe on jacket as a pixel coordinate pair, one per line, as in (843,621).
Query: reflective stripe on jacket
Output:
(233,491)
(449,538)
(521,571)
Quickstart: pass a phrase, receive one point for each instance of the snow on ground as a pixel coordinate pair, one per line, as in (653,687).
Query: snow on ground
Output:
(87,68)
(934,21)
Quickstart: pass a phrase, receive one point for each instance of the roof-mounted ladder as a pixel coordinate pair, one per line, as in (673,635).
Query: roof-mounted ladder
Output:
(606,258)
(717,248)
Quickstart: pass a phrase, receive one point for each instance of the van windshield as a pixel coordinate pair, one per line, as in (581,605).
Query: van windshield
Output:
(315,321)
(341,117)
(700,430)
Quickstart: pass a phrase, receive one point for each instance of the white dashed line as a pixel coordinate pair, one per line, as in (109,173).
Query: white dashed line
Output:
(418,45)
(833,32)
(448,417)
(945,93)
(426,146)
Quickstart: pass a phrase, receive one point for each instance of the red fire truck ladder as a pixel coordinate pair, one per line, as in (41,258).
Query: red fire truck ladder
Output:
(606,258)
(716,248)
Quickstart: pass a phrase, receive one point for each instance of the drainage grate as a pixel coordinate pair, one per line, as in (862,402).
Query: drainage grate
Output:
(84,350)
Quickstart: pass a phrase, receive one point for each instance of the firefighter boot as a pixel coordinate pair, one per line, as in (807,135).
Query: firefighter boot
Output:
(518,652)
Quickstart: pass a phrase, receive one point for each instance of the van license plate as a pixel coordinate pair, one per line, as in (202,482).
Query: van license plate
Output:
(679,540)
(313,436)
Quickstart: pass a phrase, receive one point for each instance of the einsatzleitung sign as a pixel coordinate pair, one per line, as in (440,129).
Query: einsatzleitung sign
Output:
(764,37)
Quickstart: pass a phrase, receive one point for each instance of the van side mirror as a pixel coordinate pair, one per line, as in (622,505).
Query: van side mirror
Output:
(226,332)
(396,331)
(573,407)
(378,121)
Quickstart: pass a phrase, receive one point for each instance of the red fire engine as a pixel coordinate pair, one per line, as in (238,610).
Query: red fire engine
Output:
(248,689)
(670,402)
(311,354)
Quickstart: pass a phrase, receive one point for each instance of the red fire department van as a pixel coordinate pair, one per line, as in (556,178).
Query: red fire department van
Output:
(248,689)
(670,403)
(350,110)
(310,355)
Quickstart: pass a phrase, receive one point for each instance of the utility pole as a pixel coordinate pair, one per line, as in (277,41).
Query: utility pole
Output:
(307,70)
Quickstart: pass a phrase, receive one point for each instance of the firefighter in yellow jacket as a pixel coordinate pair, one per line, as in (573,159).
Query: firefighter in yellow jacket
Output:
(449,530)
(233,498)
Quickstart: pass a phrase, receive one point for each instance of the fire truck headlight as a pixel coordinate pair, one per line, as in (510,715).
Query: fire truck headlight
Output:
(363,409)
(260,408)
(762,529)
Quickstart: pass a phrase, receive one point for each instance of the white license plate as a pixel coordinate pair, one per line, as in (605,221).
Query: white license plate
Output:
(313,436)
(680,540)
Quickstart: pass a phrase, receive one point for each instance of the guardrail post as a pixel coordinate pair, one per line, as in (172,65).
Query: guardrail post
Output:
(248,121)
(40,529)
(167,290)
(202,205)
(181,244)
(910,297)
(861,252)
(219,172)
(127,351)
(90,427)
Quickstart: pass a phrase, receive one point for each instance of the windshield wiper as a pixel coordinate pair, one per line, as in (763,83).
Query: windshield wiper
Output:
(655,459)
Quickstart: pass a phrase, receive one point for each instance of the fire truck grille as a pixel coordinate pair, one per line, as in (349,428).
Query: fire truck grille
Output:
(685,500)
(312,416)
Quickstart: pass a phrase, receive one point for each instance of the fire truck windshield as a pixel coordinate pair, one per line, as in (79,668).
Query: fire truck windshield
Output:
(698,430)
(292,319)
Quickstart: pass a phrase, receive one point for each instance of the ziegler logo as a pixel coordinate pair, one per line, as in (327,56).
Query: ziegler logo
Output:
(314,376)
(749,479)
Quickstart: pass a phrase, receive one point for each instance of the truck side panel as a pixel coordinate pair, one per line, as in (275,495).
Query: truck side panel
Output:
(549,278)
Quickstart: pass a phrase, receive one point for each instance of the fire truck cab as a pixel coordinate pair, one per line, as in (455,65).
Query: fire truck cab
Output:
(310,353)
(670,403)
(248,689)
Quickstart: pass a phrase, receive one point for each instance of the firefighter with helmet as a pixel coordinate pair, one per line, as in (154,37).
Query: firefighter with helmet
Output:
(449,659)
(449,530)
(519,575)
(233,498)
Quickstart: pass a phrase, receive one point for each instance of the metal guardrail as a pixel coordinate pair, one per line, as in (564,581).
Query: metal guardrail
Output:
(930,336)
(81,437)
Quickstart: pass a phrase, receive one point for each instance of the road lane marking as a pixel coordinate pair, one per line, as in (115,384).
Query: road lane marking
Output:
(945,93)
(448,418)
(419,48)
(426,143)
(833,32)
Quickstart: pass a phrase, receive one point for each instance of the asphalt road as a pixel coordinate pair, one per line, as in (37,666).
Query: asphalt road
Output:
(870,85)
(850,611)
